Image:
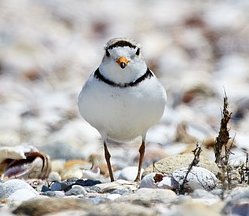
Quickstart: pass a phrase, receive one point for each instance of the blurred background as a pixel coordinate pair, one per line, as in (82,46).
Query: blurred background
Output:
(48,48)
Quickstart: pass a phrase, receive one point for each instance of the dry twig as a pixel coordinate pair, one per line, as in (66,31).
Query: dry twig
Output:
(222,144)
(195,161)
(223,137)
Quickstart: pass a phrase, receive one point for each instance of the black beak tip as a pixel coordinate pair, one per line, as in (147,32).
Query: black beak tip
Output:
(122,65)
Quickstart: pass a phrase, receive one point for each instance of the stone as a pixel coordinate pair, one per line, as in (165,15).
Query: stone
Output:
(121,209)
(76,190)
(149,196)
(171,163)
(9,187)
(119,184)
(194,208)
(197,178)
(237,201)
(239,207)
(23,195)
(39,207)
(129,173)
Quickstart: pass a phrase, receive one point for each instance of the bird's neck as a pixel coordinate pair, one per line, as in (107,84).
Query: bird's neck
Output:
(116,74)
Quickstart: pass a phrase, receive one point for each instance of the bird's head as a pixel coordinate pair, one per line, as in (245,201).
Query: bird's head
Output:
(122,60)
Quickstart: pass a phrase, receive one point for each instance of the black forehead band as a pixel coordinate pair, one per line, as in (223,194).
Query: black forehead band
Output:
(121,44)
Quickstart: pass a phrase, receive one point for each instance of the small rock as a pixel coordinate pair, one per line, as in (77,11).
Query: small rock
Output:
(237,201)
(237,194)
(113,196)
(200,193)
(39,207)
(194,208)
(121,191)
(69,213)
(238,208)
(11,186)
(23,195)
(76,190)
(171,163)
(53,194)
(121,209)
(148,196)
(116,185)
(54,176)
(129,173)
(87,182)
(5,212)
(148,181)
(197,178)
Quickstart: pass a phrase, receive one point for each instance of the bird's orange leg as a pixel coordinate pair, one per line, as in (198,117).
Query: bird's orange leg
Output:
(141,157)
(107,158)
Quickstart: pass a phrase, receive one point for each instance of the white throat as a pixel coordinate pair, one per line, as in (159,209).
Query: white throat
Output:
(112,71)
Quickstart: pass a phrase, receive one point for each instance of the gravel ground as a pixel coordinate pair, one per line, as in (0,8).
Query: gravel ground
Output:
(198,49)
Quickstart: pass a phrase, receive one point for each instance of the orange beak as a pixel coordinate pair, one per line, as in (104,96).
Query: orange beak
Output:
(122,61)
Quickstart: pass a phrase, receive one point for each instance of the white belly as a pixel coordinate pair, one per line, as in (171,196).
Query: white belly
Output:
(122,113)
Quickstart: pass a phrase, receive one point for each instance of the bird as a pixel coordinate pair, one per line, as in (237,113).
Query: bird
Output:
(122,98)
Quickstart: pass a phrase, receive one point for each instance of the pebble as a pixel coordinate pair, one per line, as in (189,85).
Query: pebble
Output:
(119,184)
(194,208)
(239,207)
(53,193)
(23,194)
(54,177)
(10,188)
(5,212)
(129,173)
(201,193)
(149,196)
(237,194)
(173,162)
(76,190)
(122,209)
(39,207)
(197,178)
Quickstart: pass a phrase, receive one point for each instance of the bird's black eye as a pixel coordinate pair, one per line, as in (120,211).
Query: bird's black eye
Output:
(138,51)
(107,53)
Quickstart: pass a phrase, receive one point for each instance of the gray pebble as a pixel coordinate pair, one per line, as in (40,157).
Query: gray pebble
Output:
(11,186)
(23,195)
(197,178)
(149,195)
(54,194)
(200,193)
(76,190)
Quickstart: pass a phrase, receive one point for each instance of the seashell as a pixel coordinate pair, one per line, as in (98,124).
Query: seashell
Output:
(157,180)
(198,178)
(93,173)
(24,162)
(80,169)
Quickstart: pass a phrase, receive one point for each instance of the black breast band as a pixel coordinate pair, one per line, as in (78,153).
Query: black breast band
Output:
(100,77)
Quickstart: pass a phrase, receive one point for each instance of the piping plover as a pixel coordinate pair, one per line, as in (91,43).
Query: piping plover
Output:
(122,99)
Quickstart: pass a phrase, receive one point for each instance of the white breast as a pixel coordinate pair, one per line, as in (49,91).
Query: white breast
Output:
(122,113)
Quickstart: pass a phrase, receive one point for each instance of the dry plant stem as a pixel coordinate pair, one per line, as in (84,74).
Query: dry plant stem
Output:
(196,152)
(244,171)
(222,145)
(247,168)
(223,136)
